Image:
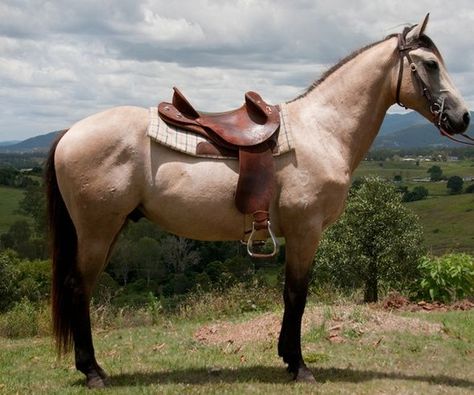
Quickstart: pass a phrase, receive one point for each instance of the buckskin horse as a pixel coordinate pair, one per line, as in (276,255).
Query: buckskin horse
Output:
(105,168)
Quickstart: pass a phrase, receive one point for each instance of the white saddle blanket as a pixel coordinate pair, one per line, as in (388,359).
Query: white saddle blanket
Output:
(187,142)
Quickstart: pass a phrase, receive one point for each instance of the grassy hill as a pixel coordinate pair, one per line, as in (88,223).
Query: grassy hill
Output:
(9,198)
(448,222)
(38,143)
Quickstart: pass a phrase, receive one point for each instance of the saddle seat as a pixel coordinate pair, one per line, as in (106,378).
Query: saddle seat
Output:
(250,132)
(249,125)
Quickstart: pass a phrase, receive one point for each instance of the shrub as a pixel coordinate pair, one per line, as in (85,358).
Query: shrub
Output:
(469,189)
(8,279)
(455,184)
(447,278)
(25,319)
(34,280)
(377,241)
(418,193)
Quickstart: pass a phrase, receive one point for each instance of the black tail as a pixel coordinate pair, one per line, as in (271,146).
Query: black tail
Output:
(63,241)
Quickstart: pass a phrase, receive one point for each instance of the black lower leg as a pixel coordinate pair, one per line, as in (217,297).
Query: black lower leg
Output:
(289,345)
(82,335)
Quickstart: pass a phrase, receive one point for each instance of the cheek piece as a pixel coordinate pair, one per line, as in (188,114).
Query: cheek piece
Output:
(436,105)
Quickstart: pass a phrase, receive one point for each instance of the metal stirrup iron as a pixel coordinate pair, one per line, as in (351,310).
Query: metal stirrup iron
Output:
(261,221)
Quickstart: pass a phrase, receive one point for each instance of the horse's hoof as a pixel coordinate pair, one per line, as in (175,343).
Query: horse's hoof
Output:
(96,382)
(304,375)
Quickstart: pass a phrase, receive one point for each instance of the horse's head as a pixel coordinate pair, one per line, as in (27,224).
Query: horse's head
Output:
(424,85)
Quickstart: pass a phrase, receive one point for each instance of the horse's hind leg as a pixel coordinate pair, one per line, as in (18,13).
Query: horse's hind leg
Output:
(94,247)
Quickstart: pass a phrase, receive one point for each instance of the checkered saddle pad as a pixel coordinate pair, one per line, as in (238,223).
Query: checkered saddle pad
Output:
(187,142)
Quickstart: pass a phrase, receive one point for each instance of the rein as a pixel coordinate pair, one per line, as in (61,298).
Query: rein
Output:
(436,105)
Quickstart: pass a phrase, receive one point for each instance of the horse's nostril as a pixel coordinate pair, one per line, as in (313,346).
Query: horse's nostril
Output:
(466,118)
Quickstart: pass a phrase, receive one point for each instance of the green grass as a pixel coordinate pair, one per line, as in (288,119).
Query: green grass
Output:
(9,198)
(388,169)
(167,359)
(448,222)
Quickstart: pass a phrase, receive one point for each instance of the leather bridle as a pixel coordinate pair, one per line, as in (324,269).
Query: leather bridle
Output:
(436,106)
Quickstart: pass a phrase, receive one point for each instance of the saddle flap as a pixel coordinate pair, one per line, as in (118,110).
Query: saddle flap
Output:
(256,184)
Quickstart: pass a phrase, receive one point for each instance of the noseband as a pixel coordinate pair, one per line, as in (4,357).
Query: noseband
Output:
(436,105)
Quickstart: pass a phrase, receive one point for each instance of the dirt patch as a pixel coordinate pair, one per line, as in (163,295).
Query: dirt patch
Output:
(398,302)
(335,323)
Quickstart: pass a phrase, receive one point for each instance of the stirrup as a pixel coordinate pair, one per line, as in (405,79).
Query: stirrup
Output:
(250,243)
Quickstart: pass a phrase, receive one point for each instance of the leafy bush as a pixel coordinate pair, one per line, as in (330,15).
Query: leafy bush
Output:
(25,319)
(447,278)
(34,279)
(8,279)
(22,279)
(455,184)
(377,241)
(418,193)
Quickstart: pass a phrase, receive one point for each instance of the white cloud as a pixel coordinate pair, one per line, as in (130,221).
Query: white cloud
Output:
(63,60)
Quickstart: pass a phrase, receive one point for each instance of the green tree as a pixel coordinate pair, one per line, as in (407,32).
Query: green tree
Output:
(418,193)
(435,173)
(455,184)
(376,240)
(9,274)
(33,205)
(147,255)
(179,254)
(122,262)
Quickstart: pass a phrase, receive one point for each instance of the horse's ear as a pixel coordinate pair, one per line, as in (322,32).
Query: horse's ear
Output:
(418,30)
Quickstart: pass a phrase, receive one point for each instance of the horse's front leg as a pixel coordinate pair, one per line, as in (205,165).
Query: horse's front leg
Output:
(299,260)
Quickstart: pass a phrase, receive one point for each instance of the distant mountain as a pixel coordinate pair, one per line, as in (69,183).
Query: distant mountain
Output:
(418,134)
(34,144)
(395,122)
(7,143)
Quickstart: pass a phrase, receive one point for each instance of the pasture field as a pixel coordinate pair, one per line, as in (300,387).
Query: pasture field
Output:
(388,169)
(448,222)
(9,198)
(351,349)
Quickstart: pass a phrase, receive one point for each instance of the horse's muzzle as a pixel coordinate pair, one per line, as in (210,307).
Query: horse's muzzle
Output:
(454,123)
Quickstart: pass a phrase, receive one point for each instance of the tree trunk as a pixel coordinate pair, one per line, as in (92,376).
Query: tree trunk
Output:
(371,294)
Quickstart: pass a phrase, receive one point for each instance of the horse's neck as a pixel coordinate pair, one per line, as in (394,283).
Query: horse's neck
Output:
(348,107)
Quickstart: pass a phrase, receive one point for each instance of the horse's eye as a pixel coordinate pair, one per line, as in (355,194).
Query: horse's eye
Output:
(431,65)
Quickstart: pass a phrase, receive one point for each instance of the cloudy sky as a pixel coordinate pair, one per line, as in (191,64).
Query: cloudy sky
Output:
(63,60)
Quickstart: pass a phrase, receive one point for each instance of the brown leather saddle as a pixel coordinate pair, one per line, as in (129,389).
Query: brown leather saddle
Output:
(249,133)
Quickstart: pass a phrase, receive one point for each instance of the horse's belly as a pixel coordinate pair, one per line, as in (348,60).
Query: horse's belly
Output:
(195,200)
